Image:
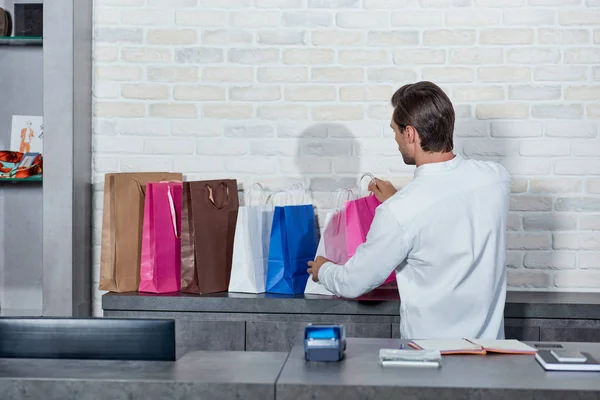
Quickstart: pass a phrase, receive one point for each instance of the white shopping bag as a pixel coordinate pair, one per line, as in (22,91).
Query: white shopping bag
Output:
(251,248)
(313,287)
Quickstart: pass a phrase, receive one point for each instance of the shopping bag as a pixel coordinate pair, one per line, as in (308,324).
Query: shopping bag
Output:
(123,213)
(294,241)
(251,246)
(208,220)
(160,269)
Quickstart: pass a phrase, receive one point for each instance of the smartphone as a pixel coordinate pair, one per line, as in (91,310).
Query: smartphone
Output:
(569,356)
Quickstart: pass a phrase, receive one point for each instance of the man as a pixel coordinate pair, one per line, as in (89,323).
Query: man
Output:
(443,234)
(26,135)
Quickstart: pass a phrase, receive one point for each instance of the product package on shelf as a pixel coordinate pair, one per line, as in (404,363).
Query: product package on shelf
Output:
(160,269)
(251,245)
(294,241)
(209,217)
(122,219)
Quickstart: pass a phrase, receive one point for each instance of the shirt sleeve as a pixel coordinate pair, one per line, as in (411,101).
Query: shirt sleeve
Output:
(386,247)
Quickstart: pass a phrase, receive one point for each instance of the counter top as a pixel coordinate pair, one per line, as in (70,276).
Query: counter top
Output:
(359,375)
(210,375)
(384,301)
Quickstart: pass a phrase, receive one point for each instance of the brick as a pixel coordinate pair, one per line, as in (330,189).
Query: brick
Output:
(576,241)
(589,222)
(255,19)
(514,259)
(271,148)
(544,148)
(119,73)
(105,164)
(563,36)
(555,185)
(560,73)
(444,3)
(171,36)
(582,56)
(169,146)
(592,110)
(381,112)
(554,2)
(337,75)
(106,90)
(568,111)
(142,127)
(530,203)
(529,279)
(145,92)
(254,165)
(471,128)
(199,55)
(222,147)
(391,75)
(585,147)
(120,3)
(597,36)
(171,3)
(506,36)
(366,93)
(199,164)
(502,111)
(503,74)
(388,4)
(308,19)
(534,92)
(587,92)
(145,164)
(419,56)
(532,56)
(308,56)
(201,18)
(321,148)
(360,129)
(499,3)
(305,165)
(299,130)
(335,4)
(474,18)
(227,36)
(577,167)
(550,259)
(412,18)
(337,113)
(449,37)
(118,35)
(577,279)
(225,4)
(518,185)
(227,74)
(579,204)
(478,93)
(488,148)
(579,17)
(532,17)
(106,16)
(249,131)
(355,165)
(527,241)
(337,38)
(102,126)
(310,93)
(118,144)
(123,110)
(362,19)
(278,3)
(549,222)
(227,111)
(363,57)
(331,184)
(596,73)
(527,166)
(173,74)
(187,127)
(173,110)
(253,56)
(393,38)
(589,260)
(146,17)
(463,110)
(256,93)
(571,129)
(142,55)
(282,74)
(513,222)
(517,129)
(105,53)
(475,55)
(291,112)
(593,186)
(375,147)
(281,37)
(199,93)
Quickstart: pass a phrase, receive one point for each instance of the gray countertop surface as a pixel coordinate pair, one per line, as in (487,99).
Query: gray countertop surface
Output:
(383,301)
(359,375)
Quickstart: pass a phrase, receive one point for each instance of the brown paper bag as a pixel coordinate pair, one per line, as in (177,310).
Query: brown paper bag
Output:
(124,195)
(208,219)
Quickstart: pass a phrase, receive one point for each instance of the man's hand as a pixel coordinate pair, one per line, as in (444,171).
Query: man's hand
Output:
(383,190)
(315,266)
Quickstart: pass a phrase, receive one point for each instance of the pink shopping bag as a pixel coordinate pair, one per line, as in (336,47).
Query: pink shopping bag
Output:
(359,216)
(160,264)
(334,237)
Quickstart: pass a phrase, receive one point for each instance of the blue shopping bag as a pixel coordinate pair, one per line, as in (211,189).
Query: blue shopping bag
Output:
(294,242)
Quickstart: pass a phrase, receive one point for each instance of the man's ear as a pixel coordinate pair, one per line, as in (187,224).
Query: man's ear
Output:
(411,134)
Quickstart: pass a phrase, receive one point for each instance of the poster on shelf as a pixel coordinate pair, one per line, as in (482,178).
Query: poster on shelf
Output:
(27,134)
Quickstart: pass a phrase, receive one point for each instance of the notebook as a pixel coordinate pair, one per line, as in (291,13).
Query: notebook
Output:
(473,346)
(550,363)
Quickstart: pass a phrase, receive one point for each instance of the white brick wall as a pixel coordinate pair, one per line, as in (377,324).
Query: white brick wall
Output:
(282,91)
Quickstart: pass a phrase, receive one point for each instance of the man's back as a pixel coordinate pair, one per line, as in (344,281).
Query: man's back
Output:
(453,281)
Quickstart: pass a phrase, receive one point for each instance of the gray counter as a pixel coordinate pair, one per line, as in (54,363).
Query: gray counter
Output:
(197,375)
(359,376)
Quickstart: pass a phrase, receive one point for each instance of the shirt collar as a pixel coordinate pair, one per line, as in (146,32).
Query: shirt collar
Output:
(439,167)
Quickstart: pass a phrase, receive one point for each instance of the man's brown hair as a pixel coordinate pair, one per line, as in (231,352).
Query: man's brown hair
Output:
(425,107)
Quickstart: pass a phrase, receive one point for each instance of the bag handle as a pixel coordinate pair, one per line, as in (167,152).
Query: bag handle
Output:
(272,195)
(301,188)
(370,175)
(173,213)
(340,192)
(212,198)
(262,193)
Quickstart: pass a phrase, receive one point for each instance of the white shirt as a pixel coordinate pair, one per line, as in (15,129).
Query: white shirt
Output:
(444,235)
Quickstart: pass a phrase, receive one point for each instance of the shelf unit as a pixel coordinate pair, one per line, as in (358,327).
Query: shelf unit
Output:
(21,41)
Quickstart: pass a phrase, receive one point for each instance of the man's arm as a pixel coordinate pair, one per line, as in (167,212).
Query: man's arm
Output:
(386,247)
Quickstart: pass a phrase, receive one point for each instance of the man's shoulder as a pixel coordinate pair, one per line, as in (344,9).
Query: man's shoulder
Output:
(488,169)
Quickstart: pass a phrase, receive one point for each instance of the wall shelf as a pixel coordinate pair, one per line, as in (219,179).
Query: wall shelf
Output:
(21,40)
(28,179)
